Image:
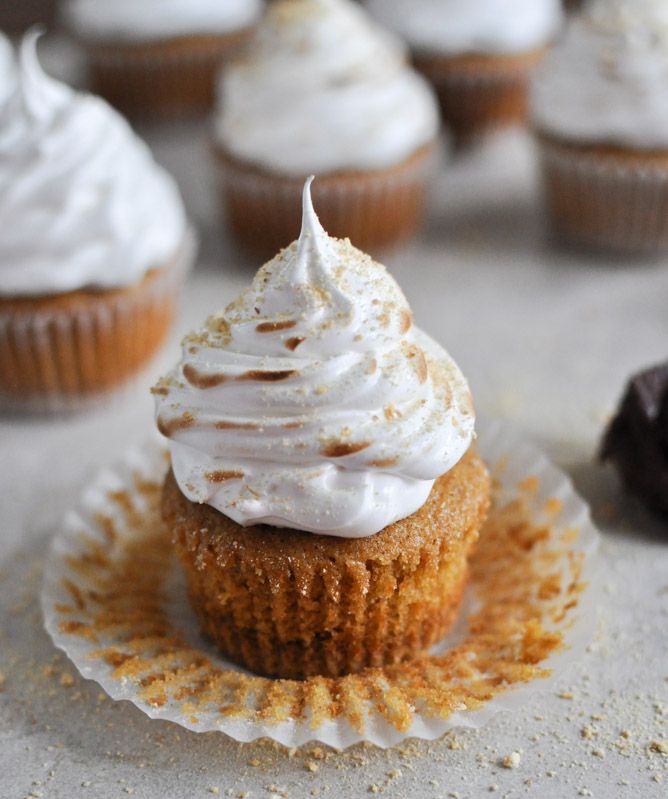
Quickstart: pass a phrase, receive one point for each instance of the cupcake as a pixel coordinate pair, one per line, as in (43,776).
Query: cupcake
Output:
(600,112)
(478,54)
(94,243)
(322,89)
(159,58)
(323,494)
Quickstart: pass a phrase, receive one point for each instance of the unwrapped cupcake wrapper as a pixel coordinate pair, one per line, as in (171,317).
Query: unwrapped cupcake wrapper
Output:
(606,202)
(166,80)
(115,601)
(58,359)
(373,209)
(475,101)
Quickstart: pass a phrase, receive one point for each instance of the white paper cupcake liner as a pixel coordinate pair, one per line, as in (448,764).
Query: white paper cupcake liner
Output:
(138,638)
(59,347)
(374,209)
(606,202)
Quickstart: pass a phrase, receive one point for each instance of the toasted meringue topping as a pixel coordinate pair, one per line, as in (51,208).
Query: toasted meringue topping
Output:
(342,435)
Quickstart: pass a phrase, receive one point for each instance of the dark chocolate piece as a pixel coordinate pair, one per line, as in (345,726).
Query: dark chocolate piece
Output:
(636,441)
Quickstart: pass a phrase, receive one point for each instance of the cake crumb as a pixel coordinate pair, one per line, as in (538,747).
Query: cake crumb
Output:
(311,765)
(214,789)
(598,753)
(566,695)
(585,792)
(660,747)
(512,760)
(66,679)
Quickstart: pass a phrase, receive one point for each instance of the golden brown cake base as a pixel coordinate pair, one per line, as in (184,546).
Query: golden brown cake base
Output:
(291,604)
(373,209)
(605,197)
(479,93)
(57,352)
(166,79)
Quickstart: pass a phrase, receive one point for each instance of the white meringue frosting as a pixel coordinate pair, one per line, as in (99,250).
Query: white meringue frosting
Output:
(607,80)
(7,66)
(312,402)
(456,27)
(322,88)
(146,20)
(83,204)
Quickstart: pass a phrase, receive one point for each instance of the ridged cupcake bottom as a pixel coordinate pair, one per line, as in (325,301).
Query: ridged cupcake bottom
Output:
(161,80)
(480,93)
(292,605)
(374,209)
(606,198)
(64,352)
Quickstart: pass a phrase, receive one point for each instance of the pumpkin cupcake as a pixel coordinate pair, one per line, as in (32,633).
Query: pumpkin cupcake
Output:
(600,112)
(478,54)
(93,247)
(159,58)
(323,497)
(323,89)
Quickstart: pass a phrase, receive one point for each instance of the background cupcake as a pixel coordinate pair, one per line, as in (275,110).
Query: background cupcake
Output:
(323,90)
(94,242)
(323,496)
(600,111)
(159,57)
(477,53)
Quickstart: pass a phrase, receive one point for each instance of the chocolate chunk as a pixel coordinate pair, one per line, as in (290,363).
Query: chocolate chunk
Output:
(636,441)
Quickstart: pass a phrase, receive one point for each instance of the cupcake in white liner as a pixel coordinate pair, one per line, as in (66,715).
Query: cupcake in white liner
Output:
(159,58)
(600,114)
(94,244)
(323,90)
(478,54)
(114,601)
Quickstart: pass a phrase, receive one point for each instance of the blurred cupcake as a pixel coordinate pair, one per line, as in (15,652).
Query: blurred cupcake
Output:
(322,89)
(600,111)
(159,58)
(323,496)
(478,54)
(94,243)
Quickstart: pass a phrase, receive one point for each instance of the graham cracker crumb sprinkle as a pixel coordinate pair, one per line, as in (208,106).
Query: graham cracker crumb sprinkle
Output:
(512,760)
(513,631)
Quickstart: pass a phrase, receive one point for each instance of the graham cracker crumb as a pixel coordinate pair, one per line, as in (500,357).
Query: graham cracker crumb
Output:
(512,760)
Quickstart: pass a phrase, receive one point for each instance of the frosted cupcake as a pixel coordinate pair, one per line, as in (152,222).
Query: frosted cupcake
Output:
(93,246)
(600,111)
(323,496)
(322,89)
(478,54)
(159,57)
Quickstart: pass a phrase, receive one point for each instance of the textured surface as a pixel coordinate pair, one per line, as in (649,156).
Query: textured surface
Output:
(547,339)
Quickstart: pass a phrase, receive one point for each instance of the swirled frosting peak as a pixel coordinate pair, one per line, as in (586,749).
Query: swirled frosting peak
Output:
(455,27)
(312,402)
(606,81)
(83,204)
(323,88)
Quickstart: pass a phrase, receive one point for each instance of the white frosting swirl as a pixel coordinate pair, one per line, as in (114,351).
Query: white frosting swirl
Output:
(323,89)
(607,80)
(456,27)
(83,204)
(7,67)
(311,402)
(146,20)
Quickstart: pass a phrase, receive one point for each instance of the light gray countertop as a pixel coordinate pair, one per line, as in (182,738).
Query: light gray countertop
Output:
(547,339)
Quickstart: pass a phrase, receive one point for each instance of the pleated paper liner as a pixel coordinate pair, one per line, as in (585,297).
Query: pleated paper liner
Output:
(375,209)
(171,79)
(70,352)
(115,602)
(480,94)
(606,198)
